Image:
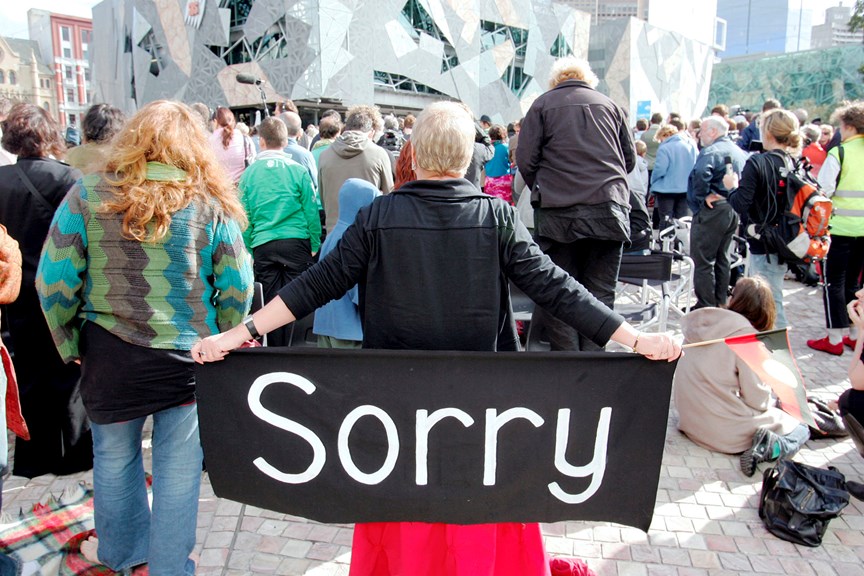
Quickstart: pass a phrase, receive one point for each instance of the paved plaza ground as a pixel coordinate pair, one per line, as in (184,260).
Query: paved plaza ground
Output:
(705,518)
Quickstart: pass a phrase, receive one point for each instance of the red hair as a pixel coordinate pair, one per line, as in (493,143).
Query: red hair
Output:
(404,170)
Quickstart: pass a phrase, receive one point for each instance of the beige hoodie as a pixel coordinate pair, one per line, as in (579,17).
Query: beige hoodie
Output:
(720,400)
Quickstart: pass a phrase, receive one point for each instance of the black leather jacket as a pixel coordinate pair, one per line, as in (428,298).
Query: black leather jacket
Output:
(432,260)
(575,148)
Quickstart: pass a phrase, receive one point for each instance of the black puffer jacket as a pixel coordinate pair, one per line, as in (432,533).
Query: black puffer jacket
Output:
(432,260)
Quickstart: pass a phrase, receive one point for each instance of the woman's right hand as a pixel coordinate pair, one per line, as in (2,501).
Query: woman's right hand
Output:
(856,314)
(216,347)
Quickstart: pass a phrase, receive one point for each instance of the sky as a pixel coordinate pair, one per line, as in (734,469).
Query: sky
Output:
(13,13)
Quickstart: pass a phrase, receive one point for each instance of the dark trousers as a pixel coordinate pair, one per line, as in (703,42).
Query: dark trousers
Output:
(276,264)
(710,238)
(842,269)
(670,205)
(594,263)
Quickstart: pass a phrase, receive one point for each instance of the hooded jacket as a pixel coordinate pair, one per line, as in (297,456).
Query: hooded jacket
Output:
(352,155)
(720,400)
(341,318)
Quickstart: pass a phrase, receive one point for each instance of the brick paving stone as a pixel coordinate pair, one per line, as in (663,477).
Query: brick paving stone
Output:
(615,551)
(631,569)
(296,548)
(692,541)
(706,527)
(661,570)
(607,534)
(824,568)
(228,508)
(734,528)
(704,559)
(555,545)
(644,554)
(270,544)
(323,533)
(271,527)
(662,539)
(679,524)
(750,545)
(213,557)
(297,530)
(344,537)
(323,551)
(251,524)
(218,539)
(766,564)
(240,560)
(720,543)
(224,523)
(633,536)
(684,571)
(708,499)
(693,511)
(675,556)
(247,541)
(266,563)
(292,567)
(734,561)
(796,567)
(582,549)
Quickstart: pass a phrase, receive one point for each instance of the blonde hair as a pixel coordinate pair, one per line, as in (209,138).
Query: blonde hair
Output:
(664,132)
(783,127)
(443,138)
(641,147)
(572,68)
(170,133)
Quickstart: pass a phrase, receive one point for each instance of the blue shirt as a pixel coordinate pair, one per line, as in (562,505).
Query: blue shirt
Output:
(499,165)
(303,157)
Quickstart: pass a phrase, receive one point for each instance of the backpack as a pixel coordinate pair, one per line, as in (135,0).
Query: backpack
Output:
(801,235)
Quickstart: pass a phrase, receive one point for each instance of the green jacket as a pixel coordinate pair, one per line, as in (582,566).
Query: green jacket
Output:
(279,200)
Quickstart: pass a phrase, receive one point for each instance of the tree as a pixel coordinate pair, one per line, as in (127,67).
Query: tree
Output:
(857,20)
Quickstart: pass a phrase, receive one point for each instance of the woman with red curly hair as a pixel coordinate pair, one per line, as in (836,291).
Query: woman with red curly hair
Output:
(140,262)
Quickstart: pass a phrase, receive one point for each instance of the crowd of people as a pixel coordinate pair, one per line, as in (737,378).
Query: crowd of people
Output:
(139,248)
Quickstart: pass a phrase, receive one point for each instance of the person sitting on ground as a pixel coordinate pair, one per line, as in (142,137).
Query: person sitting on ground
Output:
(100,124)
(722,404)
(852,400)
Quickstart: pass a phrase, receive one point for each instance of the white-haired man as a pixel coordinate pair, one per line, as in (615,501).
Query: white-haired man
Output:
(714,220)
(575,151)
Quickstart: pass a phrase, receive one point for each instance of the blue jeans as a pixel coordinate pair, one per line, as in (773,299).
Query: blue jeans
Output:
(129,533)
(792,442)
(773,271)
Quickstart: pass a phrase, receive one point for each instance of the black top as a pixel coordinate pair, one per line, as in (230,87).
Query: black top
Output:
(25,217)
(759,199)
(122,381)
(432,260)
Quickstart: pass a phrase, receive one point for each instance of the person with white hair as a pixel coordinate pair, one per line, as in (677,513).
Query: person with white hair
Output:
(395,250)
(575,151)
(714,220)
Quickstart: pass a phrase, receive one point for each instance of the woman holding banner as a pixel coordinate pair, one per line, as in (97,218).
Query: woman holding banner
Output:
(433,259)
(140,262)
(722,404)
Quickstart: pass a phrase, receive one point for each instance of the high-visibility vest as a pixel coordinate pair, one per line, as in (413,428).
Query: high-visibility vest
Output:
(848,219)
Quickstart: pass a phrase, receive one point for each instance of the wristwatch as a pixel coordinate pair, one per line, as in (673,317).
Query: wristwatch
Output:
(250,325)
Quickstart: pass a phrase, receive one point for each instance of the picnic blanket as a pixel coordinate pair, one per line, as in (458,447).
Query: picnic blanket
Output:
(47,541)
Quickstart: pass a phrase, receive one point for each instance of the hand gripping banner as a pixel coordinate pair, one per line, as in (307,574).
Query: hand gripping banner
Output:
(458,437)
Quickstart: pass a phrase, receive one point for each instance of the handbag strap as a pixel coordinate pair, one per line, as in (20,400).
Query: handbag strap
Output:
(32,189)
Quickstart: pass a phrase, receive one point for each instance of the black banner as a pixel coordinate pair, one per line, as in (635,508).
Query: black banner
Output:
(458,437)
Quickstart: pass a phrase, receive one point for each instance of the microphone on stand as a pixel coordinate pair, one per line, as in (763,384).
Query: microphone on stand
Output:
(248,79)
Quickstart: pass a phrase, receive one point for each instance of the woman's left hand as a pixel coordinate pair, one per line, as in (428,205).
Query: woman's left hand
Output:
(215,348)
(657,347)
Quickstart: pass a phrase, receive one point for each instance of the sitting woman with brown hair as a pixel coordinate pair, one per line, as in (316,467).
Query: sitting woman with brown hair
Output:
(722,404)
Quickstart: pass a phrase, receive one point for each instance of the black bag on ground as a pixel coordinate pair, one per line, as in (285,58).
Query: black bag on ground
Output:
(798,501)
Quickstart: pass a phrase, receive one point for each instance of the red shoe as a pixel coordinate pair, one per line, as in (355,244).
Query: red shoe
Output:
(825,345)
(849,342)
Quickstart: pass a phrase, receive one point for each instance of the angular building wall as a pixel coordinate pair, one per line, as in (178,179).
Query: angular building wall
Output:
(494,55)
(646,69)
(816,80)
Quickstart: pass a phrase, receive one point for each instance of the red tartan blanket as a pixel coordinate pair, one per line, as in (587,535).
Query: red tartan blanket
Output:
(48,540)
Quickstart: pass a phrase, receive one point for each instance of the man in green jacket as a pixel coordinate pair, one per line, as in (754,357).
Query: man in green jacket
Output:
(284,232)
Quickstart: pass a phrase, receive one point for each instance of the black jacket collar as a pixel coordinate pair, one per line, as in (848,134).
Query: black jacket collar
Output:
(451,188)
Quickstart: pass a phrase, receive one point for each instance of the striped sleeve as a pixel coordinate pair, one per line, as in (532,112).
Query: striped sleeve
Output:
(232,272)
(62,271)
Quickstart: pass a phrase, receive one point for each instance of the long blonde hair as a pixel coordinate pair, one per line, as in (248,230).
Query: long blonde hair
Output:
(170,133)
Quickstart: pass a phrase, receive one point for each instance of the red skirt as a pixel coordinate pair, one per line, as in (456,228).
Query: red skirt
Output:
(420,549)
